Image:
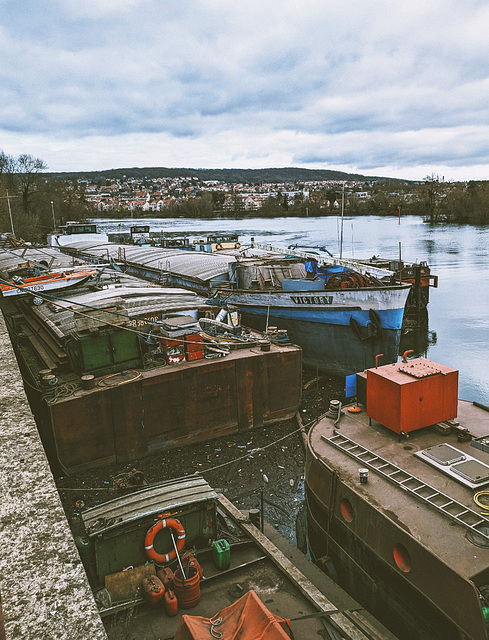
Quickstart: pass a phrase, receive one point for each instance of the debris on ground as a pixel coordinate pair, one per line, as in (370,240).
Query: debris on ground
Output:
(263,467)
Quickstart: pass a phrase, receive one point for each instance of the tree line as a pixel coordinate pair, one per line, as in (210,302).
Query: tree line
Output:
(33,202)
(436,201)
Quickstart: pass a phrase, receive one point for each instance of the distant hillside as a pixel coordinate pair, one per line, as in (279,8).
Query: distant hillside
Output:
(253,176)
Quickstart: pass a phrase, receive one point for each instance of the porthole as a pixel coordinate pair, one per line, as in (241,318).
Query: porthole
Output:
(346,510)
(402,558)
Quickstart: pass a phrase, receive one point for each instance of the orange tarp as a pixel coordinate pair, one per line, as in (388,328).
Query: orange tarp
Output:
(245,619)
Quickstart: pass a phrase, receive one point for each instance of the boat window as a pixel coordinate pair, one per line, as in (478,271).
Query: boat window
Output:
(346,510)
(81,228)
(402,558)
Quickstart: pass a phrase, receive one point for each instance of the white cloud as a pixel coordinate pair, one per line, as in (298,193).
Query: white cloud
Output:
(359,86)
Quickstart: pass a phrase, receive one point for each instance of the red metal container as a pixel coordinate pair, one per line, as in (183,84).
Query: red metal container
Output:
(166,576)
(194,347)
(194,355)
(174,350)
(187,591)
(406,396)
(171,603)
(191,561)
(153,590)
(194,342)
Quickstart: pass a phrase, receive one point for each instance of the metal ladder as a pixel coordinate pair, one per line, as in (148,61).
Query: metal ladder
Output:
(326,259)
(441,502)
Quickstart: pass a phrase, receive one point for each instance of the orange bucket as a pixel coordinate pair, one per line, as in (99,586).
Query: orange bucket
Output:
(187,591)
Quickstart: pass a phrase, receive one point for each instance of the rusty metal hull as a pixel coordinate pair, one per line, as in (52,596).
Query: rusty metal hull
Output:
(406,559)
(172,406)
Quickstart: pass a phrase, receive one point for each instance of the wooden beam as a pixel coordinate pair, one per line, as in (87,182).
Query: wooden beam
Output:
(305,586)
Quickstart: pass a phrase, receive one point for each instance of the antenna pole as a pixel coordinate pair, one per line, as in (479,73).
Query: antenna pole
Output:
(342,214)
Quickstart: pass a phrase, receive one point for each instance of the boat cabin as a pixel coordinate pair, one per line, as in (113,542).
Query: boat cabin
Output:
(73,231)
(116,530)
(140,234)
(217,242)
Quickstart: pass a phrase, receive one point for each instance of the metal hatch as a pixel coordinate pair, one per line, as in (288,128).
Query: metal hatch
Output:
(444,454)
(419,369)
(456,464)
(473,470)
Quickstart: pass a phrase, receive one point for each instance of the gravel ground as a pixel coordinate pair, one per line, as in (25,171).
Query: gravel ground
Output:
(264,464)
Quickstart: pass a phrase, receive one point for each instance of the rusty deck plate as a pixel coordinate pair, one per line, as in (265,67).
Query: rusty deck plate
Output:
(418,369)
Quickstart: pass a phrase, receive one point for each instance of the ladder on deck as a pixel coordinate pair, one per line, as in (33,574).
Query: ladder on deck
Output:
(428,494)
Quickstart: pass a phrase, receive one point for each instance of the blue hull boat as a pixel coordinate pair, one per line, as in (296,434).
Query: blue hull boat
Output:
(340,331)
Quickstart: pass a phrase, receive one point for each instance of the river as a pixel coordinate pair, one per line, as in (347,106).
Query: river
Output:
(458,330)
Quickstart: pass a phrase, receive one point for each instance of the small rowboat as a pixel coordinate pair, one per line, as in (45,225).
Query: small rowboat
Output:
(46,282)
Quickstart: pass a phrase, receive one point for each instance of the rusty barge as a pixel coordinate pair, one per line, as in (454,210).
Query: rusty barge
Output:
(396,500)
(118,368)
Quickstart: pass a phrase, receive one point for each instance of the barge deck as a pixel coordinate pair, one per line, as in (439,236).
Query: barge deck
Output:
(393,517)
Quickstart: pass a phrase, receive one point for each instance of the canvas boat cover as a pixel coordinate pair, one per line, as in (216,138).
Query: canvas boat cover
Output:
(245,619)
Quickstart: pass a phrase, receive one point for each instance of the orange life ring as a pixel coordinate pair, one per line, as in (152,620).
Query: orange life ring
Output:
(164,523)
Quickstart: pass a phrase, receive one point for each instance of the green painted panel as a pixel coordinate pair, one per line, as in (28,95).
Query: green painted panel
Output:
(96,351)
(108,352)
(124,546)
(124,346)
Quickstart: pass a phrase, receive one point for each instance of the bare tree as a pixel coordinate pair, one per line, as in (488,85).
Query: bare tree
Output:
(7,170)
(28,176)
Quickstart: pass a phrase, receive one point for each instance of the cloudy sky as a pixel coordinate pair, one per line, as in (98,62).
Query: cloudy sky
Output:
(390,87)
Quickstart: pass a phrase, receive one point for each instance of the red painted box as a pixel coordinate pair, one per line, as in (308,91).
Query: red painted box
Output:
(406,396)
(194,347)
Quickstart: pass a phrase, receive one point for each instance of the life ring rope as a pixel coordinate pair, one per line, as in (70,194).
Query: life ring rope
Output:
(164,523)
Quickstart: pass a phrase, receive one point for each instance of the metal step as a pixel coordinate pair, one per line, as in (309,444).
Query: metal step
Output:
(429,495)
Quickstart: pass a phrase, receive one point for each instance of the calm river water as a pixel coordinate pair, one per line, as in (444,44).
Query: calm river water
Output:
(458,333)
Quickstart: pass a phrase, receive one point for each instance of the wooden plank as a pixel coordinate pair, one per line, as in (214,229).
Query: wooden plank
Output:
(366,625)
(304,585)
(41,352)
(126,585)
(46,338)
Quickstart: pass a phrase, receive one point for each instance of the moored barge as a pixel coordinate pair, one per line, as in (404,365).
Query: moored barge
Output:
(395,500)
(341,320)
(226,572)
(118,368)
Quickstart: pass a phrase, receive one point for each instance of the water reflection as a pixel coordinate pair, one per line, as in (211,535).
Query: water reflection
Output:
(417,338)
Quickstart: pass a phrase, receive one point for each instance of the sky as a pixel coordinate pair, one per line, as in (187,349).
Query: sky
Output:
(384,88)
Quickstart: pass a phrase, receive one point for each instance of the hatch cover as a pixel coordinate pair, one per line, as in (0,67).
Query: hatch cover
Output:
(473,470)
(418,369)
(444,454)
(458,465)
(479,540)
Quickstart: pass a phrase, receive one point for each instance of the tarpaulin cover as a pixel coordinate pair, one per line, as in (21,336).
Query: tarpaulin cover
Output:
(245,619)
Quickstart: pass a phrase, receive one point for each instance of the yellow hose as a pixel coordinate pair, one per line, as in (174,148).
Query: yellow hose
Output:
(480,504)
